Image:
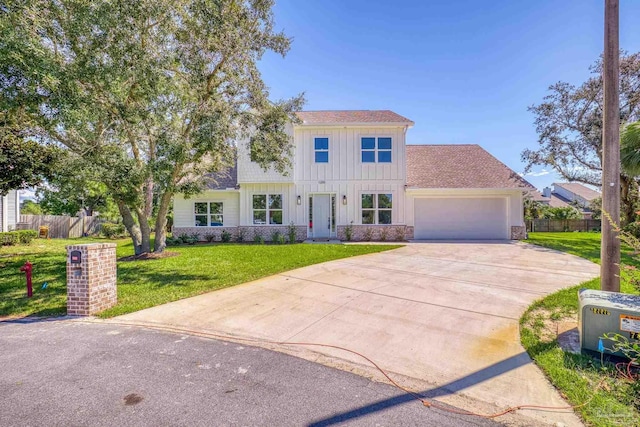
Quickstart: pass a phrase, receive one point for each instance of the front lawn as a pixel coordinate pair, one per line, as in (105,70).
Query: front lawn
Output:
(142,284)
(613,401)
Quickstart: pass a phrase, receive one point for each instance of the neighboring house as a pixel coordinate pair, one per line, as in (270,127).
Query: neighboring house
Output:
(565,194)
(9,211)
(352,173)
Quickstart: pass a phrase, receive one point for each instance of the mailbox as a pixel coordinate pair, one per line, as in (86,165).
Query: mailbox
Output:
(602,313)
(75,257)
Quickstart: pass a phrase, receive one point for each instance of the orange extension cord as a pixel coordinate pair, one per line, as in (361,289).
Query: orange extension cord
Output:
(424,402)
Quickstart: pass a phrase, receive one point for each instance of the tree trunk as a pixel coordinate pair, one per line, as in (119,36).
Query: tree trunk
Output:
(145,232)
(130,225)
(148,198)
(161,221)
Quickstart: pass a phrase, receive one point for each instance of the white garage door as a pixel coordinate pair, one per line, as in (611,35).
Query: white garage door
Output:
(468,218)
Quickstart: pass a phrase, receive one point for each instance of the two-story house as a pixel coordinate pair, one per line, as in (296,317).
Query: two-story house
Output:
(353,176)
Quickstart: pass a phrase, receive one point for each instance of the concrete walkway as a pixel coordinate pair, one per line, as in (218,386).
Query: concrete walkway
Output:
(442,316)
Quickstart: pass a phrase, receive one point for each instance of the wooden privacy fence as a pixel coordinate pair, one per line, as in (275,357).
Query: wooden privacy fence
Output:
(62,226)
(563,225)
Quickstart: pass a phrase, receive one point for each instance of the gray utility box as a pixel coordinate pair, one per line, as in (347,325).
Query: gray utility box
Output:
(603,312)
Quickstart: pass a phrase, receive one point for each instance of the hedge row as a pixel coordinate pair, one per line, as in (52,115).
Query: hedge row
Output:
(22,237)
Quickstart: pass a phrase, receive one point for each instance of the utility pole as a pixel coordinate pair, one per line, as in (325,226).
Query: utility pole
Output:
(610,249)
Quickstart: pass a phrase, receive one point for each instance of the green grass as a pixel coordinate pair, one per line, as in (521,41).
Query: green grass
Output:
(143,284)
(615,402)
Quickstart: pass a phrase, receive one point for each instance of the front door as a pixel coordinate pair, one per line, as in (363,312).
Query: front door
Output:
(321,215)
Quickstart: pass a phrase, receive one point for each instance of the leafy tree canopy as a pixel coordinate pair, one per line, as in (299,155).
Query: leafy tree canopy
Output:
(630,148)
(29,207)
(24,163)
(154,93)
(569,122)
(567,212)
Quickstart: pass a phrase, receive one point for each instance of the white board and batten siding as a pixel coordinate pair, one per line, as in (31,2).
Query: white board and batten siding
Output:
(9,211)
(251,172)
(345,174)
(345,161)
(464,214)
(184,209)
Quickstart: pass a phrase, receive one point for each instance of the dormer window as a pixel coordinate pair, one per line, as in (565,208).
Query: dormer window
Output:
(321,147)
(376,149)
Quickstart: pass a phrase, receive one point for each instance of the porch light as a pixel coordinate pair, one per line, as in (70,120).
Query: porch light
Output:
(344,199)
(299,200)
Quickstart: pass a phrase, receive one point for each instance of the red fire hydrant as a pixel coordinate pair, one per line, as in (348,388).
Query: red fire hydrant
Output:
(27,268)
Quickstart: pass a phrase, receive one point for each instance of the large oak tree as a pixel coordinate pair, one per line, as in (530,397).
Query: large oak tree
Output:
(152,93)
(569,127)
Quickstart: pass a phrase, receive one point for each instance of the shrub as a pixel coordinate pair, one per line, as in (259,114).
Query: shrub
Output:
(240,235)
(348,231)
(291,230)
(257,237)
(225,237)
(9,238)
(633,228)
(400,234)
(18,237)
(210,237)
(173,241)
(111,230)
(384,234)
(188,239)
(275,236)
(26,236)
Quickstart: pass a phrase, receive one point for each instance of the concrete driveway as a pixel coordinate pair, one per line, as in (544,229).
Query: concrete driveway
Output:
(441,316)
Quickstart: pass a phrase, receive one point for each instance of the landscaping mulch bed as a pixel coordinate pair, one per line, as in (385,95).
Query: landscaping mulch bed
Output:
(149,256)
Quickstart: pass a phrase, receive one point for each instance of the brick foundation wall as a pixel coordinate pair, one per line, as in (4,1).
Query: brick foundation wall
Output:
(364,233)
(91,284)
(248,232)
(518,232)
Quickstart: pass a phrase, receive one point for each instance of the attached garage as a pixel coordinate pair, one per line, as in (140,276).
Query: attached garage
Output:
(468,218)
(461,192)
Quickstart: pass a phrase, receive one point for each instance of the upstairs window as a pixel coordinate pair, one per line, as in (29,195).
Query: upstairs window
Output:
(376,149)
(267,209)
(376,208)
(208,214)
(321,147)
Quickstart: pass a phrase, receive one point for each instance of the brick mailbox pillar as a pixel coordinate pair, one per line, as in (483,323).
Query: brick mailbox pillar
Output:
(91,278)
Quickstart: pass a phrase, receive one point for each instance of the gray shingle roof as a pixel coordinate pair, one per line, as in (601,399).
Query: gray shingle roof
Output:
(458,166)
(579,189)
(351,117)
(222,180)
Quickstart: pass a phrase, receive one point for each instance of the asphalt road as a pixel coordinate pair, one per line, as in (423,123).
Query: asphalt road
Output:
(65,373)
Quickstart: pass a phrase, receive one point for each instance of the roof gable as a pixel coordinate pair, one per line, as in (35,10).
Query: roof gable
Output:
(352,117)
(458,166)
(227,178)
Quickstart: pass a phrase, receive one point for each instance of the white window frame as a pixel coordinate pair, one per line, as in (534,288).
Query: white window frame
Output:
(209,214)
(267,210)
(376,150)
(376,209)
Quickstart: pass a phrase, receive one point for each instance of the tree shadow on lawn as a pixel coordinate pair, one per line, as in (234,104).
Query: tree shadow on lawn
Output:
(132,275)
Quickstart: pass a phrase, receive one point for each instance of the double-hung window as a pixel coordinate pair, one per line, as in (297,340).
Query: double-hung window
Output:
(267,209)
(208,214)
(375,149)
(377,208)
(321,148)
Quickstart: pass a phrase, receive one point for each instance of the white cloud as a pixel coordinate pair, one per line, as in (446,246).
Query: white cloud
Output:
(542,172)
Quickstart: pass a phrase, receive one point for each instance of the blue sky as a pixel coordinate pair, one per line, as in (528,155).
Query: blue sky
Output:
(464,71)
